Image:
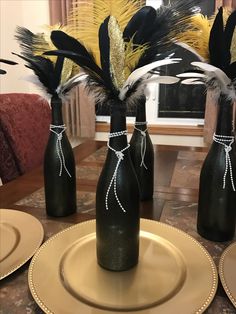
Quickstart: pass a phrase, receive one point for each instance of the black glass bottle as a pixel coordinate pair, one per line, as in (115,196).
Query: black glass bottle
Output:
(117,201)
(59,167)
(142,153)
(217,195)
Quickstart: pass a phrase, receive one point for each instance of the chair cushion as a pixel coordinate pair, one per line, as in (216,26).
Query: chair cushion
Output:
(8,167)
(25,119)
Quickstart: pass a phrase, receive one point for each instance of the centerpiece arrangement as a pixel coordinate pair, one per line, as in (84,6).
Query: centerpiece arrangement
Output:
(56,77)
(118,47)
(128,54)
(215,41)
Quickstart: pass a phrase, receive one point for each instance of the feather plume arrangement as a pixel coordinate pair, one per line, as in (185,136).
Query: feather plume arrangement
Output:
(120,46)
(219,68)
(9,62)
(53,74)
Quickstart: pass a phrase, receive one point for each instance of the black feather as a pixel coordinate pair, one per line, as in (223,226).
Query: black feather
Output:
(8,61)
(65,42)
(168,23)
(44,70)
(104,47)
(229,31)
(217,46)
(144,33)
(58,70)
(81,60)
(92,70)
(26,40)
(141,22)
(231,71)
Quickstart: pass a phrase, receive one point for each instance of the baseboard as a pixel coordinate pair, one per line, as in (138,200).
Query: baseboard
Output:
(185,130)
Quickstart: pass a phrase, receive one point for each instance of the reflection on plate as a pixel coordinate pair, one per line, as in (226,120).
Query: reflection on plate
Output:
(172,267)
(160,274)
(227,272)
(20,236)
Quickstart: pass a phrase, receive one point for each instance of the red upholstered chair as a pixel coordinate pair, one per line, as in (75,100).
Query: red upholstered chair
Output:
(24,131)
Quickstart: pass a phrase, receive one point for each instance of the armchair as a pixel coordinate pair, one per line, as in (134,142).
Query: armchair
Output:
(24,131)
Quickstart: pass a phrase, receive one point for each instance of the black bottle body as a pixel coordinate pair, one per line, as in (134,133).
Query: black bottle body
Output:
(217,203)
(142,153)
(59,183)
(117,228)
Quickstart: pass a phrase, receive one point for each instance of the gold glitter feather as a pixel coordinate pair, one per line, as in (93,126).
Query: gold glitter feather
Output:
(117,52)
(86,17)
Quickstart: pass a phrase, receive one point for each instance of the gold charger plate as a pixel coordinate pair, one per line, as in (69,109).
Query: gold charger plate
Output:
(175,274)
(227,272)
(21,235)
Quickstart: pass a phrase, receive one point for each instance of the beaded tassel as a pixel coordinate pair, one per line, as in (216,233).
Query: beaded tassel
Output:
(120,157)
(59,148)
(226,141)
(143,142)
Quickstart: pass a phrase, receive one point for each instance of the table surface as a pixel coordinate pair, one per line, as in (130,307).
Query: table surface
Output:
(177,170)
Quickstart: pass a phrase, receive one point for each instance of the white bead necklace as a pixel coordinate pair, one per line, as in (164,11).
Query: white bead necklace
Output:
(143,142)
(227,142)
(120,157)
(59,147)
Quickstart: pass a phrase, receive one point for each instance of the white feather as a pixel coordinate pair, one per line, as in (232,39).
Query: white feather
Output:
(162,79)
(192,81)
(217,81)
(141,72)
(191,74)
(68,85)
(213,71)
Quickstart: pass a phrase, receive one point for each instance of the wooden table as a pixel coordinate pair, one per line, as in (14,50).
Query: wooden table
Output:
(175,202)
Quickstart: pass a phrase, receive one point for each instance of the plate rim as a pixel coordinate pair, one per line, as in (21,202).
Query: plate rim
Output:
(201,308)
(28,255)
(221,273)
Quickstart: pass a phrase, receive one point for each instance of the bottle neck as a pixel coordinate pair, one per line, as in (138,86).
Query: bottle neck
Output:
(118,124)
(56,105)
(141,110)
(225,117)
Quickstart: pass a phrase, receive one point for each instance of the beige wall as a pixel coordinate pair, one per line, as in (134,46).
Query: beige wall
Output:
(32,14)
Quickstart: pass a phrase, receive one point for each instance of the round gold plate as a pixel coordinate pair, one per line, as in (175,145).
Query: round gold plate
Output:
(173,268)
(227,272)
(20,236)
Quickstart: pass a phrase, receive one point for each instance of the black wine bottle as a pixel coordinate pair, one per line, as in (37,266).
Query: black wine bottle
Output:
(217,195)
(59,167)
(117,200)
